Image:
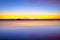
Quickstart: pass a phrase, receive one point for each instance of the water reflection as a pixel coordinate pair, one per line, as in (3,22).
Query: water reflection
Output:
(29,29)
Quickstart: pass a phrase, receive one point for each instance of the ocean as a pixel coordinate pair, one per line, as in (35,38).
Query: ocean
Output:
(29,29)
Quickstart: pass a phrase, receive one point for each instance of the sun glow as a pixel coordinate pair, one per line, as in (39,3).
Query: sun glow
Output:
(30,16)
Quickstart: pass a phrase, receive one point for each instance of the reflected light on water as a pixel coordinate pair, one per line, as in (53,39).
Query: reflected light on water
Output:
(28,24)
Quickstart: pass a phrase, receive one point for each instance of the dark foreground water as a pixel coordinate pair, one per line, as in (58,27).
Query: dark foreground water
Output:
(29,30)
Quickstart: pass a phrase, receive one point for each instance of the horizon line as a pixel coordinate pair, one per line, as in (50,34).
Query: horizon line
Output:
(29,19)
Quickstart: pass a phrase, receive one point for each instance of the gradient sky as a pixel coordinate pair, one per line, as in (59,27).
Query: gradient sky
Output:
(29,7)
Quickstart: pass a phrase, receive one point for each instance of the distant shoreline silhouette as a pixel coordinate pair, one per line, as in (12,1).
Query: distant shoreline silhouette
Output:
(28,19)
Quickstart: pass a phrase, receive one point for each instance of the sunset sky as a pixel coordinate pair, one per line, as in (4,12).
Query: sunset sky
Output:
(11,9)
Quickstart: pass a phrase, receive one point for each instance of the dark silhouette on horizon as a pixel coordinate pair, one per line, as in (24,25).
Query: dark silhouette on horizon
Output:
(27,19)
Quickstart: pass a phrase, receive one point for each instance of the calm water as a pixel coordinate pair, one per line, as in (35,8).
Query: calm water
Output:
(29,29)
